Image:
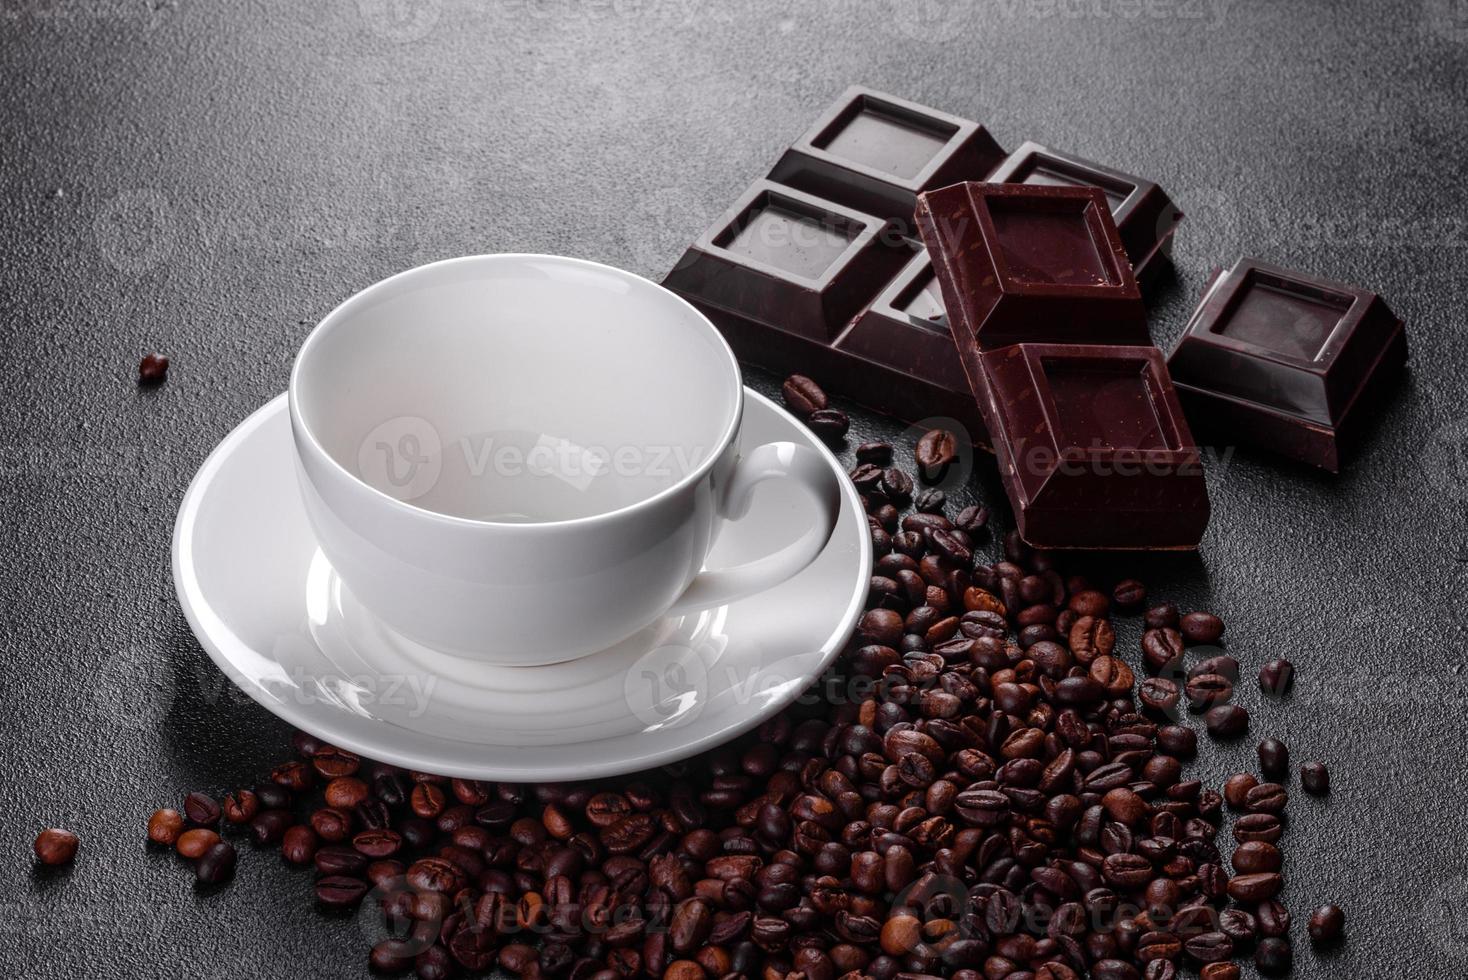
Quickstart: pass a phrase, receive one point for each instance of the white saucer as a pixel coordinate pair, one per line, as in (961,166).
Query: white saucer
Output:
(277,620)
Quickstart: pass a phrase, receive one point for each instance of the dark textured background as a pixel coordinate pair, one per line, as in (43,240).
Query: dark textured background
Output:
(208,178)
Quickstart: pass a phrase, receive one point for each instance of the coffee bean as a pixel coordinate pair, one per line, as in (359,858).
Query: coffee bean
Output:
(1327,923)
(216,864)
(339,859)
(340,891)
(1256,856)
(1129,594)
(935,450)
(896,484)
(1236,789)
(240,806)
(152,369)
(1210,947)
(1159,695)
(972,519)
(1274,958)
(1277,677)
(201,810)
(193,844)
(1161,616)
(1315,778)
(1264,827)
(930,500)
(876,453)
(1201,628)
(269,826)
(1177,741)
(1162,648)
(1274,758)
(55,846)
(1238,925)
(1227,721)
(1207,690)
(1091,637)
(1267,798)
(802,396)
(393,955)
(165,826)
(1255,887)
(1220,971)
(831,424)
(298,845)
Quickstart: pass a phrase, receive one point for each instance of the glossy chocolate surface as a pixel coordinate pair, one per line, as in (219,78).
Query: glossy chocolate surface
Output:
(1031,264)
(875,152)
(1286,361)
(1092,445)
(1145,217)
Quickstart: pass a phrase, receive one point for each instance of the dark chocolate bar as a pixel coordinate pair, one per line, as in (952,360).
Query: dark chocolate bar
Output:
(865,320)
(1092,447)
(1031,264)
(1286,361)
(875,153)
(1145,216)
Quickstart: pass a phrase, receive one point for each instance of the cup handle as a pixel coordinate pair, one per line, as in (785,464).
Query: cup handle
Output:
(773,460)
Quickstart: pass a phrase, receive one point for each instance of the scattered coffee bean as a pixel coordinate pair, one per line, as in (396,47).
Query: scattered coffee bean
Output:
(298,845)
(1315,778)
(877,453)
(1254,857)
(240,807)
(1274,919)
(1226,721)
(930,500)
(1277,677)
(340,891)
(1201,628)
(1163,616)
(55,846)
(165,826)
(935,450)
(831,424)
(1274,758)
(1273,957)
(1207,690)
(802,396)
(1129,594)
(193,844)
(152,369)
(1236,789)
(1220,971)
(1327,923)
(216,864)
(201,810)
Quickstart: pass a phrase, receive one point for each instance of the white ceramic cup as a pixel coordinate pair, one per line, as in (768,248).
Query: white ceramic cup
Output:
(523,459)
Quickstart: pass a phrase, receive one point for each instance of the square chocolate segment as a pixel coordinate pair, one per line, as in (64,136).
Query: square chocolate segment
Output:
(905,325)
(1145,216)
(1031,264)
(1286,361)
(1092,447)
(783,257)
(875,153)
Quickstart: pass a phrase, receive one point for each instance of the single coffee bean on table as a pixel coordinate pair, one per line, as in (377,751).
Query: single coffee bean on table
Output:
(1227,721)
(1277,677)
(936,449)
(1201,628)
(1274,758)
(55,846)
(152,369)
(217,864)
(1315,778)
(1327,923)
(165,826)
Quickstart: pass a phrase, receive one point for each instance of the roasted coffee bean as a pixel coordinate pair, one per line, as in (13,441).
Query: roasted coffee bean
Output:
(1274,957)
(1210,947)
(216,865)
(1177,741)
(1253,857)
(972,519)
(1273,918)
(1236,789)
(1238,925)
(1129,594)
(379,843)
(802,396)
(1266,798)
(1255,887)
(152,369)
(878,453)
(272,796)
(1274,758)
(293,776)
(192,844)
(435,874)
(830,424)
(1277,677)
(55,846)
(165,826)
(930,500)
(1162,648)
(340,891)
(1206,690)
(393,955)
(269,826)
(1200,628)
(1161,616)
(339,859)
(240,806)
(1220,971)
(1160,695)
(935,450)
(1327,923)
(298,845)
(1091,637)
(1315,778)
(1227,721)
(1258,827)
(896,484)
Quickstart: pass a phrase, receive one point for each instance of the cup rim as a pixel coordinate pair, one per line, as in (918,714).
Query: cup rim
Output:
(343,309)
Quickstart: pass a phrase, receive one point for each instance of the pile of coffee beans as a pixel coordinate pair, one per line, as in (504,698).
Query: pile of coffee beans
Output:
(1003,796)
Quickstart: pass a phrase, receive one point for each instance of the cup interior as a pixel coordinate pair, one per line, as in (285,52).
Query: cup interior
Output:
(517,388)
